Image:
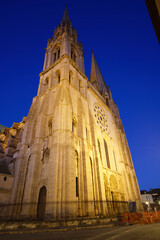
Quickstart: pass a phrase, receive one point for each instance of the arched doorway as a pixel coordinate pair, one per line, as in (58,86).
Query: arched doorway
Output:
(41,207)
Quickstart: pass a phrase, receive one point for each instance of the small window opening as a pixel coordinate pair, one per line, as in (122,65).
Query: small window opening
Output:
(59,78)
(54,57)
(58,53)
(46,81)
(5,178)
(77,187)
(71,54)
(69,77)
(107,102)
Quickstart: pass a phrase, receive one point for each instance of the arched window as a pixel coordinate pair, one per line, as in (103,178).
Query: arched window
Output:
(73,55)
(106,152)
(50,126)
(58,53)
(54,56)
(76,156)
(58,76)
(41,207)
(77,173)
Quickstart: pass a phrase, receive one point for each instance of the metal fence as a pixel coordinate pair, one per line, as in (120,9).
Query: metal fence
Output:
(55,211)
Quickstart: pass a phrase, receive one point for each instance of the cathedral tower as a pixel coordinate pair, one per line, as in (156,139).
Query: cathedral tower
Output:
(73,154)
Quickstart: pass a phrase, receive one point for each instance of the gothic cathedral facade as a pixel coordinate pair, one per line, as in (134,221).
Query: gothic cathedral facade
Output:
(73,154)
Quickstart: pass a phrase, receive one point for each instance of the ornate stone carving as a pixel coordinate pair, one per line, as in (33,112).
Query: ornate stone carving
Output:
(2,137)
(74,119)
(101,118)
(13,132)
(44,150)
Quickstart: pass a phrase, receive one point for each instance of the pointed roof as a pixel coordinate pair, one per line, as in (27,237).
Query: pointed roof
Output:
(66,19)
(96,77)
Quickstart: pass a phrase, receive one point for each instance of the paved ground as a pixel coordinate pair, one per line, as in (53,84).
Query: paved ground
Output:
(137,232)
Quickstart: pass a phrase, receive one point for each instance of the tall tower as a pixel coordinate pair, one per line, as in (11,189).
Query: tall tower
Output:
(73,155)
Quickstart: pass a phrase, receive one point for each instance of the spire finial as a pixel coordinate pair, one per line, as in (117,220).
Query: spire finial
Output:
(66,19)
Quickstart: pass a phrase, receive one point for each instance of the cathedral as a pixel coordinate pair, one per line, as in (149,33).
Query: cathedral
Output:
(69,157)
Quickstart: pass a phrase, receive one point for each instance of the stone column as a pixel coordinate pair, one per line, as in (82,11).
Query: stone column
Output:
(45,61)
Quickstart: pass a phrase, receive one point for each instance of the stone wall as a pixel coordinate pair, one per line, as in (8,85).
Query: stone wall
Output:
(5,187)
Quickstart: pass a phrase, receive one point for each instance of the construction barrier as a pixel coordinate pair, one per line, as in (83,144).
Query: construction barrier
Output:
(140,217)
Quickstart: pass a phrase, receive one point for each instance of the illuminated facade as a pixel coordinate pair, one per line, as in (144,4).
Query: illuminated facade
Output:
(73,154)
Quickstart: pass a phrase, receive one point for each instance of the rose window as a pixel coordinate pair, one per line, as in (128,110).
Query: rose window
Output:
(101,118)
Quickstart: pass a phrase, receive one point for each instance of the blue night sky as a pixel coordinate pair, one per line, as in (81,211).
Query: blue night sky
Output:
(127,51)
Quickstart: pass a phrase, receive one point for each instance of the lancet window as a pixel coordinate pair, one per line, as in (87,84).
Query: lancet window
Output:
(58,76)
(73,55)
(77,173)
(56,54)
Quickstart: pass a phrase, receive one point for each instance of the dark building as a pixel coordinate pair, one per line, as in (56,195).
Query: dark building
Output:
(155,194)
(154,11)
(1,128)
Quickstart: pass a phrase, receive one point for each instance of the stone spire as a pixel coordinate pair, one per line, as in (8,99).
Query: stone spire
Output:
(66,19)
(96,77)
(64,42)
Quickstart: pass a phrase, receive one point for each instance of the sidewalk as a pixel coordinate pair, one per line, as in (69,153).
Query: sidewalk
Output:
(35,226)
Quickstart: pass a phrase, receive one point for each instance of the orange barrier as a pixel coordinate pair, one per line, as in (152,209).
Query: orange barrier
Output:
(141,217)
